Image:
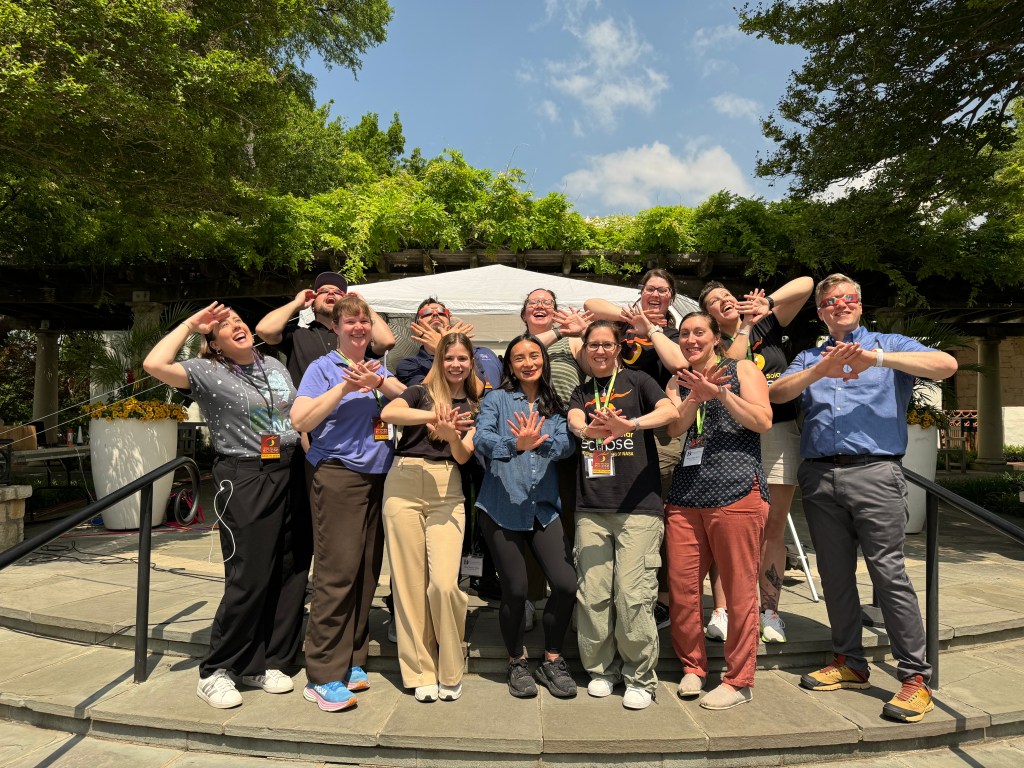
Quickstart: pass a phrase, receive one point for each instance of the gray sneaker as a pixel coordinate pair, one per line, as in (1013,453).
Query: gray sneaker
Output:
(520,683)
(554,675)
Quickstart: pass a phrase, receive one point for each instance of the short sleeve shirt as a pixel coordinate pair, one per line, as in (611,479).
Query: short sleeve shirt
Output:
(639,354)
(635,485)
(240,403)
(766,352)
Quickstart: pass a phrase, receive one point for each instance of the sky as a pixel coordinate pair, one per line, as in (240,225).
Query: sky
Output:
(620,105)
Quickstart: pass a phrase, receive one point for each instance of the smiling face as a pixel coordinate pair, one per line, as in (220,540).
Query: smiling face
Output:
(232,338)
(698,341)
(326,297)
(353,333)
(602,350)
(721,305)
(457,363)
(656,295)
(843,316)
(527,362)
(539,311)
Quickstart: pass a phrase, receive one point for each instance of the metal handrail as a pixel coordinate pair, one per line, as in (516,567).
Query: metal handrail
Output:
(145,485)
(933,493)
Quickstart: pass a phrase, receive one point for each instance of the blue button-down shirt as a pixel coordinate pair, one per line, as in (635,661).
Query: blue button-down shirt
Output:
(867,415)
(519,487)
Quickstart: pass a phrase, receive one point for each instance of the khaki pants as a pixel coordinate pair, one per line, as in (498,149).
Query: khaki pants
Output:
(617,559)
(424,521)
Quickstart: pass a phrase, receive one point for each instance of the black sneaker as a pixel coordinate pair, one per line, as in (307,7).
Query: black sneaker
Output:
(520,683)
(661,617)
(554,675)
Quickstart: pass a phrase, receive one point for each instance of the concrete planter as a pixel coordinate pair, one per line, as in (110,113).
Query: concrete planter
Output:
(922,451)
(123,450)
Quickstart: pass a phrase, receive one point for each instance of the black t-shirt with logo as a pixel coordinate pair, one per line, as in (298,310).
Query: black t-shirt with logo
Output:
(635,485)
(639,354)
(767,353)
(416,440)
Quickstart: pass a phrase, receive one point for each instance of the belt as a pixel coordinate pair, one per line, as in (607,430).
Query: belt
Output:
(853,460)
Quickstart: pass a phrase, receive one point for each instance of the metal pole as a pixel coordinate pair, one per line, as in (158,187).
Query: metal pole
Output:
(142,592)
(931,564)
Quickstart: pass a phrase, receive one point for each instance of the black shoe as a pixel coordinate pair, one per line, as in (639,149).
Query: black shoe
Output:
(554,675)
(661,617)
(520,683)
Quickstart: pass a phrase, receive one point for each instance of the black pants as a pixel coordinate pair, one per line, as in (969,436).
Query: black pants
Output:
(554,554)
(258,622)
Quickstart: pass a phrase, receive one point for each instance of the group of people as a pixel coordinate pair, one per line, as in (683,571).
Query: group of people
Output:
(631,456)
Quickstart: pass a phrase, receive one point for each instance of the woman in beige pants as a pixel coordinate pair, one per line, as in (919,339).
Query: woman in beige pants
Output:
(424,519)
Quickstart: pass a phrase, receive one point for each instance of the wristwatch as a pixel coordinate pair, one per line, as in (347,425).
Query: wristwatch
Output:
(636,422)
(655,329)
(771,304)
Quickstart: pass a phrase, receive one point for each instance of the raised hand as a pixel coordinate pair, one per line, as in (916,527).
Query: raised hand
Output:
(572,322)
(527,431)
(639,319)
(204,320)
(754,306)
(706,384)
(305,297)
(448,424)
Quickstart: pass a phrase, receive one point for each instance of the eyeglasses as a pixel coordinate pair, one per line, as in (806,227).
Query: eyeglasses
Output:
(651,290)
(434,313)
(329,290)
(594,346)
(540,303)
(846,298)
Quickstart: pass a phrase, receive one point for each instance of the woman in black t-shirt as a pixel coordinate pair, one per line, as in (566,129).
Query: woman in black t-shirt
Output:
(424,519)
(618,518)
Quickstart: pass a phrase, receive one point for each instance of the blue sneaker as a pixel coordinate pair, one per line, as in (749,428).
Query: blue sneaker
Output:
(356,679)
(330,697)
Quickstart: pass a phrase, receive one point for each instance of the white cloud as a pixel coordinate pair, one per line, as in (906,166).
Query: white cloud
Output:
(612,72)
(707,42)
(731,105)
(642,177)
(571,10)
(549,110)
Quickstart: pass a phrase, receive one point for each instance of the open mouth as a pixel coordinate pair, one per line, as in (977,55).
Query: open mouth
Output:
(240,337)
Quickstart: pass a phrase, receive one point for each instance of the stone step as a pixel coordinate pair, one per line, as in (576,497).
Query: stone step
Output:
(88,690)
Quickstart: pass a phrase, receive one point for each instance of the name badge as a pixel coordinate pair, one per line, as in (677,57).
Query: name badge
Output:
(472,565)
(694,453)
(270,445)
(600,464)
(382,430)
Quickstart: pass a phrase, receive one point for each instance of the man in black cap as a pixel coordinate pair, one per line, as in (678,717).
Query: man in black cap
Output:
(304,345)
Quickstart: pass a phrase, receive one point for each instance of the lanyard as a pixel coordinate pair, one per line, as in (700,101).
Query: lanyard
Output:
(608,393)
(348,363)
(700,418)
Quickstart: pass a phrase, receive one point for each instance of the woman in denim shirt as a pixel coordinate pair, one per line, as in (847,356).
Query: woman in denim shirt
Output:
(521,431)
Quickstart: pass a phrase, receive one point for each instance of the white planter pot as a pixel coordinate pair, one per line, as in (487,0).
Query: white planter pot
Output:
(922,451)
(123,450)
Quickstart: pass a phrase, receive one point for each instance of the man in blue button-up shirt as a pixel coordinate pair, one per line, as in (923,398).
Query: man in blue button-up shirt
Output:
(854,390)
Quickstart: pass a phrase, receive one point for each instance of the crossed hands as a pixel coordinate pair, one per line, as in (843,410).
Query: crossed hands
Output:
(608,425)
(845,360)
(204,320)
(362,377)
(572,322)
(704,385)
(526,430)
(642,320)
(449,423)
(422,333)
(754,308)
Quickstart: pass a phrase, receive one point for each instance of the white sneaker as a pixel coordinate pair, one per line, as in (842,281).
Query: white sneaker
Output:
(531,614)
(218,690)
(449,692)
(392,631)
(772,628)
(718,625)
(426,693)
(599,688)
(637,698)
(271,681)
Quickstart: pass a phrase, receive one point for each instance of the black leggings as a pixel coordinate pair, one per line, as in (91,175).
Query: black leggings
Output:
(553,554)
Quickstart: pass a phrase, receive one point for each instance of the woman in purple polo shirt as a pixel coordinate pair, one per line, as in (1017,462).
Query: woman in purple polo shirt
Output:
(339,404)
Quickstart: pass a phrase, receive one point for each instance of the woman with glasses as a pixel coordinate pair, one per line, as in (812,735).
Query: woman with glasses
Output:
(716,507)
(752,329)
(339,404)
(424,519)
(618,518)
(246,398)
(522,433)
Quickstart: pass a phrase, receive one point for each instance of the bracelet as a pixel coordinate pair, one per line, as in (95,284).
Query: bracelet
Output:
(742,332)
(557,332)
(879,358)
(654,329)
(583,432)
(636,422)
(381,382)
(771,304)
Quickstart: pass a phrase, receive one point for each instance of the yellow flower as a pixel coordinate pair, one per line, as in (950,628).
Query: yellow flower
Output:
(132,408)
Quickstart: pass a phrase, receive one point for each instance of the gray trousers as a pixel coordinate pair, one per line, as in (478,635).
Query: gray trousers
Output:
(864,505)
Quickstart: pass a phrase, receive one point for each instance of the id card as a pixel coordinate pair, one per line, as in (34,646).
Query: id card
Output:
(382,430)
(270,445)
(694,453)
(600,464)
(472,565)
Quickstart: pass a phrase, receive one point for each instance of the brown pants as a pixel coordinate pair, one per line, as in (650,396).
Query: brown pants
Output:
(348,541)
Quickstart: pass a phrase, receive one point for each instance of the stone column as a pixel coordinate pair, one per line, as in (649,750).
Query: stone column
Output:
(990,406)
(44,393)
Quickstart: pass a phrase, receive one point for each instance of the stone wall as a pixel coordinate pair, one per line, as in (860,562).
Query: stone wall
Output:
(1011,360)
(12,514)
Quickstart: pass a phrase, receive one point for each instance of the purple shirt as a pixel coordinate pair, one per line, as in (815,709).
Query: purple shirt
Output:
(347,432)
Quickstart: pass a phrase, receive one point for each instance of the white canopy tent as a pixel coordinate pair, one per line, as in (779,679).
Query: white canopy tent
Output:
(490,298)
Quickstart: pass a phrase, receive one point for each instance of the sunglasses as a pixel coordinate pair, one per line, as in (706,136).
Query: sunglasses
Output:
(434,313)
(329,291)
(846,298)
